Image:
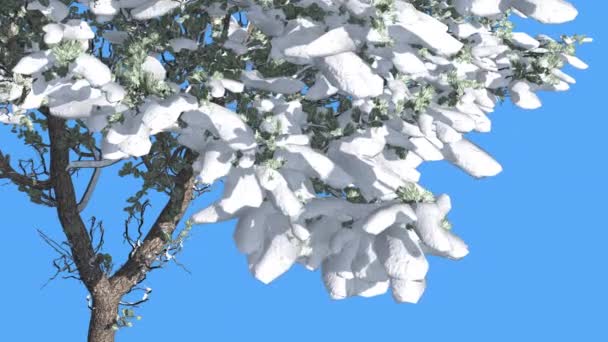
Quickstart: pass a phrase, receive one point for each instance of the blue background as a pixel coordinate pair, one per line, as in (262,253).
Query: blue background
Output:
(537,234)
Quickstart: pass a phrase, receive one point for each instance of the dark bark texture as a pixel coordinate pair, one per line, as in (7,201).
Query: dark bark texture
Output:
(103,313)
(107,290)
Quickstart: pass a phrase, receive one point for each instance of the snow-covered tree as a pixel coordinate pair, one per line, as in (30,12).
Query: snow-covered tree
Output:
(315,115)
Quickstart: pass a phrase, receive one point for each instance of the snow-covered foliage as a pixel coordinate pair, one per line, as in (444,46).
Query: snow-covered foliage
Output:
(314,113)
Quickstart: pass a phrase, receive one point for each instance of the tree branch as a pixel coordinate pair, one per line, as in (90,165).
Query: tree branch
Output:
(142,259)
(91,185)
(81,164)
(67,208)
(84,201)
(8,172)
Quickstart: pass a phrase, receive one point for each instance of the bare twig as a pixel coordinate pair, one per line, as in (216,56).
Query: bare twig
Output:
(140,223)
(22,179)
(144,298)
(64,263)
(81,247)
(94,226)
(155,242)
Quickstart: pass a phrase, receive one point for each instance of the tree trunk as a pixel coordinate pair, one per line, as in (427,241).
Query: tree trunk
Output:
(105,299)
(103,314)
(106,292)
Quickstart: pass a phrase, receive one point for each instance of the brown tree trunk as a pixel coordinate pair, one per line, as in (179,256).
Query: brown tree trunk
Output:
(103,314)
(105,298)
(106,292)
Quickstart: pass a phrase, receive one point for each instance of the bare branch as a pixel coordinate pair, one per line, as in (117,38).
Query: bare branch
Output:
(97,226)
(142,260)
(90,186)
(140,223)
(74,228)
(8,172)
(143,299)
(83,164)
(63,263)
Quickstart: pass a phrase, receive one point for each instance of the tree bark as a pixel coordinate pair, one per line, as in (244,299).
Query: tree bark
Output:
(135,269)
(105,298)
(107,292)
(103,313)
(67,206)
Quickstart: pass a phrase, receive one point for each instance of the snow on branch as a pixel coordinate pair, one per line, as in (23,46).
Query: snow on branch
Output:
(314,113)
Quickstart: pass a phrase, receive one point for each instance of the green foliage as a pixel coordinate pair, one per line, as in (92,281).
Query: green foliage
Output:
(446,224)
(292,10)
(323,125)
(413,193)
(157,170)
(459,85)
(274,163)
(464,55)
(125,319)
(139,84)
(422,99)
(435,8)
(107,263)
(18,31)
(353,194)
(538,65)
(67,51)
(503,26)
(384,5)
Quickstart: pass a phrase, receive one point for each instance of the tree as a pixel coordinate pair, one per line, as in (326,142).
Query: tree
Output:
(315,114)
